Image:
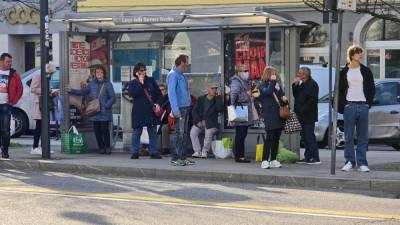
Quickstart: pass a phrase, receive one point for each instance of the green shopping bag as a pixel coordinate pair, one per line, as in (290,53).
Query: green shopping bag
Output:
(227,143)
(73,142)
(286,156)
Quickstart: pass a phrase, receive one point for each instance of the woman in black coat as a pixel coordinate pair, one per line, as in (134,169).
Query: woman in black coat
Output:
(146,94)
(269,87)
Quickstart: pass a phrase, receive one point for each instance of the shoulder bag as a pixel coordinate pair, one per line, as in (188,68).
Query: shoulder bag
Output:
(158,112)
(284,111)
(93,106)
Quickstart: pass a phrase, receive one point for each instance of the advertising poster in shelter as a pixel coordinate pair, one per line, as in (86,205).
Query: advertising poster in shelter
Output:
(248,49)
(84,52)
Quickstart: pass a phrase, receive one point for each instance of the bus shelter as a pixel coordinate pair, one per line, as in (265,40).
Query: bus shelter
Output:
(215,39)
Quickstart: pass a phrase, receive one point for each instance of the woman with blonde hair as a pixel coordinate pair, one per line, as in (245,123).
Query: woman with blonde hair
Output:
(356,93)
(271,97)
(241,95)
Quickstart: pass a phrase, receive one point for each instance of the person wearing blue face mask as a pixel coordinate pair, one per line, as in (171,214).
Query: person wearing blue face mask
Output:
(241,95)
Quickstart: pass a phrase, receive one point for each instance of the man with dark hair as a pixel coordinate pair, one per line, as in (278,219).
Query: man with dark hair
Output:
(305,93)
(10,92)
(179,98)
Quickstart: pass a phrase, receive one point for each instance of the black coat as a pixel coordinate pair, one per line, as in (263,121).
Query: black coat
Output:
(368,86)
(270,106)
(142,110)
(306,101)
(211,115)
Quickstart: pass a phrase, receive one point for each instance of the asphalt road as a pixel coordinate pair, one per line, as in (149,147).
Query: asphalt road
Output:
(59,198)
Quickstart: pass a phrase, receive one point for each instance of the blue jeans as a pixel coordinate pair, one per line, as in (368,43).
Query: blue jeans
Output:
(310,142)
(153,140)
(5,117)
(181,134)
(356,116)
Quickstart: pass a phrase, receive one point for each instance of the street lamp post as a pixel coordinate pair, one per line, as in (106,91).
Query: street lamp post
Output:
(44,55)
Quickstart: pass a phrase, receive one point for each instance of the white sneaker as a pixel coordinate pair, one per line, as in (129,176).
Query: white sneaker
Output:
(265,165)
(36,151)
(275,164)
(363,169)
(203,154)
(347,167)
(196,155)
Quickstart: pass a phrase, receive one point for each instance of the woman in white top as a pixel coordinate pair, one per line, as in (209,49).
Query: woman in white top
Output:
(356,93)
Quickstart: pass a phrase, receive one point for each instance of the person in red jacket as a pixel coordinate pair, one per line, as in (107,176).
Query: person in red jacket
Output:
(10,92)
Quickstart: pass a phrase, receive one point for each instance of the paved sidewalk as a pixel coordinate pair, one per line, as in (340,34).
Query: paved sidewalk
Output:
(385,166)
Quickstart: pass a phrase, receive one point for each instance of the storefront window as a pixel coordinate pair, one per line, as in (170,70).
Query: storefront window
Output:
(383,30)
(392,63)
(249,48)
(373,61)
(313,44)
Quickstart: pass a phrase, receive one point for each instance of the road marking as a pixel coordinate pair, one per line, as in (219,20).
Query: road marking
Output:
(202,204)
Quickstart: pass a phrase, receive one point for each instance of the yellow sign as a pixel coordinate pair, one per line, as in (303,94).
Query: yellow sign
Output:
(128,5)
(23,15)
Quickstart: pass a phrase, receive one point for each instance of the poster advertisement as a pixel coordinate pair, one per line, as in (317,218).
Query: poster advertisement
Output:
(245,48)
(84,52)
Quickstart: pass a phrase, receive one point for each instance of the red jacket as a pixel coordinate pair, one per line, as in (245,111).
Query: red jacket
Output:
(15,88)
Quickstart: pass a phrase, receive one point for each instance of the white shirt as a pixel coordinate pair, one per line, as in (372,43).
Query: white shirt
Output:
(355,81)
(4,86)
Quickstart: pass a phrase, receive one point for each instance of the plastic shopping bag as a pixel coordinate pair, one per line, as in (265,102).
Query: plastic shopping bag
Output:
(222,149)
(260,148)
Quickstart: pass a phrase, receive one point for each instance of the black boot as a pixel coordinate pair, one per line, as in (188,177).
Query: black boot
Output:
(108,151)
(103,151)
(4,154)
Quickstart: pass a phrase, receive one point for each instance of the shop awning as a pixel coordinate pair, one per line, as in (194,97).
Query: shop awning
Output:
(124,5)
(210,18)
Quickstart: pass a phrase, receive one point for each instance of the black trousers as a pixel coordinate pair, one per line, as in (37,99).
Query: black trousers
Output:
(102,132)
(310,142)
(5,117)
(271,144)
(240,137)
(36,135)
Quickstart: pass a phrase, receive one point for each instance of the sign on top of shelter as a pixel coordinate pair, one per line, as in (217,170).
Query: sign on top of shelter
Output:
(129,5)
(347,5)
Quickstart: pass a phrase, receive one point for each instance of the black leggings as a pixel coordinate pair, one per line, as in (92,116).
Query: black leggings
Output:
(271,144)
(102,132)
(36,135)
(240,137)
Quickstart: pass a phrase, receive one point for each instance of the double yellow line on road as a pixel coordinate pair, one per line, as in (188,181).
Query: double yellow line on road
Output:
(203,204)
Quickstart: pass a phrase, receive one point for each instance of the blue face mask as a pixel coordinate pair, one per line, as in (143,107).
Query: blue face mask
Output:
(246,75)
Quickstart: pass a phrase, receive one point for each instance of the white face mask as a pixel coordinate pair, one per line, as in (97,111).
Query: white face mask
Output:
(301,81)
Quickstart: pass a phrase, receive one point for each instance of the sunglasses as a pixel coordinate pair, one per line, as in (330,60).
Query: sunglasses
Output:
(142,70)
(244,71)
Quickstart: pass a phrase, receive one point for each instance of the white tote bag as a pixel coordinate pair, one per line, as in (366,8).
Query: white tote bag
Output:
(238,113)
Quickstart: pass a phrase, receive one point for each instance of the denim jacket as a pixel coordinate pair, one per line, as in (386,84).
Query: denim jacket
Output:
(178,90)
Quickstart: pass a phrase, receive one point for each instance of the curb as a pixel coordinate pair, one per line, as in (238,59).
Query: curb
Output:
(389,186)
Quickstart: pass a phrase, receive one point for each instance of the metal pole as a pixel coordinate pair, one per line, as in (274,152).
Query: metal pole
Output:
(330,83)
(267,35)
(336,92)
(44,49)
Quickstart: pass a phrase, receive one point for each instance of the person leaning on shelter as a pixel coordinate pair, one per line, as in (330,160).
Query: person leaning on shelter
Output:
(180,100)
(241,95)
(11,90)
(146,95)
(271,97)
(205,118)
(305,93)
(356,93)
(100,88)
(36,89)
